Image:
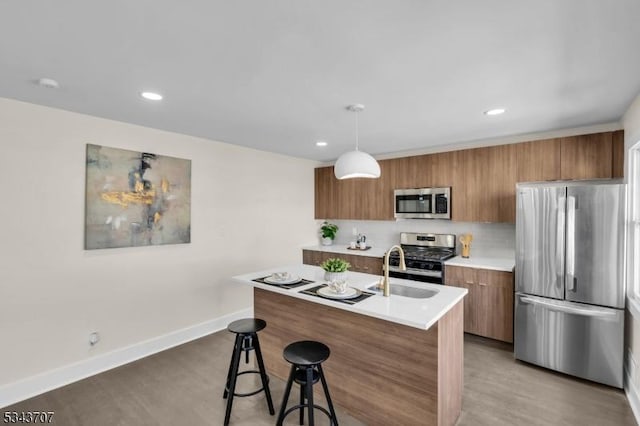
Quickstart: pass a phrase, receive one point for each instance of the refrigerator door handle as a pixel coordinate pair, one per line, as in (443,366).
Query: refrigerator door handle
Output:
(562,307)
(570,279)
(560,229)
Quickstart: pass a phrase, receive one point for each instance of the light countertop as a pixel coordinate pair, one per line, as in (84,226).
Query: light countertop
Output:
(418,313)
(343,249)
(495,259)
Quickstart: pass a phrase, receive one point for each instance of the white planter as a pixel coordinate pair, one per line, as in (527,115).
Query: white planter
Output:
(335,276)
(327,241)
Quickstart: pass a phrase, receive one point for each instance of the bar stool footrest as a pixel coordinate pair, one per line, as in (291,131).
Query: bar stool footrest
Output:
(297,407)
(248,393)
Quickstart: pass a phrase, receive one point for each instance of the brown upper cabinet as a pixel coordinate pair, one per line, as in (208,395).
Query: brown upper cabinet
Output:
(482,180)
(586,156)
(617,144)
(538,160)
(485,181)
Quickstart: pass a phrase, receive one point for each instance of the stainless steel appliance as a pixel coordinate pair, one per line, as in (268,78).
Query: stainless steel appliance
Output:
(570,292)
(422,203)
(424,256)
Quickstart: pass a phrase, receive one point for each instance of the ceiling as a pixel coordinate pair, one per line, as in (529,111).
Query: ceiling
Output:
(276,75)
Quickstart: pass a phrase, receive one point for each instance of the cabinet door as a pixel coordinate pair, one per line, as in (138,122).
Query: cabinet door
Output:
(488,307)
(375,196)
(366,264)
(325,193)
(413,172)
(586,156)
(490,184)
(462,277)
(617,146)
(495,304)
(538,160)
(370,265)
(312,257)
(446,170)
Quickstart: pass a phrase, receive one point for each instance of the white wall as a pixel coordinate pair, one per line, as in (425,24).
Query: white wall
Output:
(250,210)
(631,123)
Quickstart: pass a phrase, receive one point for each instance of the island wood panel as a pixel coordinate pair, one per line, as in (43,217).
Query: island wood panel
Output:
(381,372)
(586,156)
(538,160)
(617,147)
(450,365)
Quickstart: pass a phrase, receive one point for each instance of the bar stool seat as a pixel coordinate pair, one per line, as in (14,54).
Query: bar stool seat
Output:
(246,331)
(306,358)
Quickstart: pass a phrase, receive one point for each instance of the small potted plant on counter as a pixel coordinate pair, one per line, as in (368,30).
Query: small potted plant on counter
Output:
(328,231)
(335,269)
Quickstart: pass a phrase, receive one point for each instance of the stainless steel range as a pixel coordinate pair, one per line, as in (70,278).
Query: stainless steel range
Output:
(424,256)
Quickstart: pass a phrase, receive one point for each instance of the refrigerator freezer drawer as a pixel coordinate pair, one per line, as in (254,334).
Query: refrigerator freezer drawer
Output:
(573,338)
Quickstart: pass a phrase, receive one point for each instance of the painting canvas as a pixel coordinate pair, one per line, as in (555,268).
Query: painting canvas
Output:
(136,199)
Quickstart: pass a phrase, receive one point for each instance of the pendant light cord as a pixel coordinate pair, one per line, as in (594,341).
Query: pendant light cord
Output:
(357,131)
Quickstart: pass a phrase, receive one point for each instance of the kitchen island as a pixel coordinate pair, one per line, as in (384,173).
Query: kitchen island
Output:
(394,360)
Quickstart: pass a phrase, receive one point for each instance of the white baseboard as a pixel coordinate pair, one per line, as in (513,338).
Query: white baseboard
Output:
(630,389)
(44,382)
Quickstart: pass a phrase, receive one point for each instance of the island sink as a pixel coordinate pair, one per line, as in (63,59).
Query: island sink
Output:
(406,291)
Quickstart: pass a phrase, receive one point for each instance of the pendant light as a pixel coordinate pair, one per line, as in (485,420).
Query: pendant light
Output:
(356,164)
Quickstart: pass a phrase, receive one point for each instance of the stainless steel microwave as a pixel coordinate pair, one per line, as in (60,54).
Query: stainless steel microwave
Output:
(422,203)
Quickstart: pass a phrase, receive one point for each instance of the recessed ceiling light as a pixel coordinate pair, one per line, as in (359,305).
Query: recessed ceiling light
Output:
(321,143)
(496,111)
(49,83)
(151,96)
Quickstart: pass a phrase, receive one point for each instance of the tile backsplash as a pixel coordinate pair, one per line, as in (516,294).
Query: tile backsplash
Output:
(486,236)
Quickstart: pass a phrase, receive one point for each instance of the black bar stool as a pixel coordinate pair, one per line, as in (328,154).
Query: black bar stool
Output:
(246,340)
(306,359)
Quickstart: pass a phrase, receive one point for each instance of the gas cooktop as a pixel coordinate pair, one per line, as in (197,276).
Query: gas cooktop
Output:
(424,253)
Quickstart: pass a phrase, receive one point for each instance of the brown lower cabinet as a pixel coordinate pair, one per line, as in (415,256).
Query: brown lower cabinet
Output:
(366,264)
(488,307)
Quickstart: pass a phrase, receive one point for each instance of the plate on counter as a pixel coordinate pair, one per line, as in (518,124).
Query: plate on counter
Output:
(291,280)
(350,293)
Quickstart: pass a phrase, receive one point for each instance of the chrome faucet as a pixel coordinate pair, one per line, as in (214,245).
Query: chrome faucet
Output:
(385,281)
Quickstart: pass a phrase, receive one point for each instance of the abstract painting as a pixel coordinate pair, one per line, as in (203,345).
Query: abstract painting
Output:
(136,199)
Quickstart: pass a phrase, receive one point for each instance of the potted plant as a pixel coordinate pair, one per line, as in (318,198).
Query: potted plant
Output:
(328,231)
(335,269)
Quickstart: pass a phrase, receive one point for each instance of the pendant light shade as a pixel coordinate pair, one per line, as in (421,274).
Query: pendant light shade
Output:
(356,164)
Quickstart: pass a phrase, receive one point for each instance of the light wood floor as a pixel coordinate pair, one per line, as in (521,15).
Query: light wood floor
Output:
(183,386)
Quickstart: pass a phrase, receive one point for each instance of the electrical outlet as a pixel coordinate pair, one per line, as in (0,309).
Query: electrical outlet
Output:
(94,338)
(354,231)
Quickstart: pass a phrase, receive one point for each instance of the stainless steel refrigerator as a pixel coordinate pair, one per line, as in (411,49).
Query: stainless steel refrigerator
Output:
(570,291)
